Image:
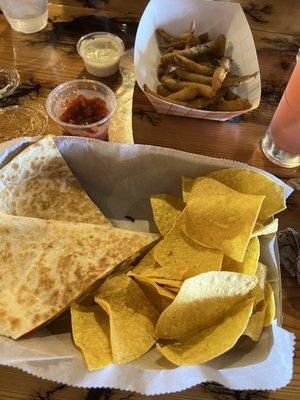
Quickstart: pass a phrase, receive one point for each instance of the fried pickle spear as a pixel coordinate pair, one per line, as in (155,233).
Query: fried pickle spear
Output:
(230,95)
(161,71)
(179,45)
(220,73)
(204,37)
(158,96)
(192,66)
(184,41)
(191,53)
(232,105)
(193,39)
(191,77)
(204,90)
(184,36)
(199,103)
(234,80)
(187,93)
(216,47)
(219,46)
(165,35)
(163,91)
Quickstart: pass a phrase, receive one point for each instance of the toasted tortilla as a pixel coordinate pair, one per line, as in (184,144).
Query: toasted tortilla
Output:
(90,331)
(202,301)
(252,182)
(249,264)
(221,218)
(166,209)
(46,265)
(210,342)
(132,317)
(38,183)
(178,257)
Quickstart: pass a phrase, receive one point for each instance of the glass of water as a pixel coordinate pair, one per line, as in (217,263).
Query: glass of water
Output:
(27,16)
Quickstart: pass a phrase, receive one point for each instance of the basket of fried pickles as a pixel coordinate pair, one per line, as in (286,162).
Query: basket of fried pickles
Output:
(195,73)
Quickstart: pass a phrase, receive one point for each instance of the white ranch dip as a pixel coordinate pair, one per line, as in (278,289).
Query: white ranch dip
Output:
(101,53)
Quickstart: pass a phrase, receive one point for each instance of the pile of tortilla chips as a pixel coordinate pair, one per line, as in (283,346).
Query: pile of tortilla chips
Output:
(200,288)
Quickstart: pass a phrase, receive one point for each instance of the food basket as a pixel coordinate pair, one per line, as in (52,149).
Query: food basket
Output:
(120,178)
(213,17)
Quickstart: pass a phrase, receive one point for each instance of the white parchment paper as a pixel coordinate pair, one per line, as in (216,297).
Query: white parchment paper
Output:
(213,17)
(120,178)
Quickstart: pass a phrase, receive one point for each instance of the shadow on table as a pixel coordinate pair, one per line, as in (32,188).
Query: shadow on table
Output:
(114,82)
(265,163)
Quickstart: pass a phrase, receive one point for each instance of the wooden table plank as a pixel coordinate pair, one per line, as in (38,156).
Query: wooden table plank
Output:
(272,16)
(129,8)
(49,57)
(265,15)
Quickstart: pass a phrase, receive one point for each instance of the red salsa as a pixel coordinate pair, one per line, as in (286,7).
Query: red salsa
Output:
(84,111)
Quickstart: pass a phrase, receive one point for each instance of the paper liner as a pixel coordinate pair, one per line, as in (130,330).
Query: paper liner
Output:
(213,17)
(120,179)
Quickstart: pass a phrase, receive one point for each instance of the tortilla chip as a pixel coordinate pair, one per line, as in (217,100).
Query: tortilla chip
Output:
(158,296)
(147,262)
(256,322)
(259,291)
(202,301)
(46,265)
(251,182)
(148,267)
(249,264)
(187,184)
(90,330)
(132,317)
(38,183)
(172,288)
(270,305)
(221,218)
(261,229)
(181,258)
(166,209)
(211,342)
(167,282)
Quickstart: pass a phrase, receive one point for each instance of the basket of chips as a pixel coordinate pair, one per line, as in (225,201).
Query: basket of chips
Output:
(139,267)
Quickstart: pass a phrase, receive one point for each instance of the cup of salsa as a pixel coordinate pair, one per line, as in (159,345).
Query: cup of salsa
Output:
(82,107)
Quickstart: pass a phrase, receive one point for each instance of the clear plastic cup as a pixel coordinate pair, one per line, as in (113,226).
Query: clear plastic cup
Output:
(58,99)
(9,80)
(22,120)
(101,53)
(26,16)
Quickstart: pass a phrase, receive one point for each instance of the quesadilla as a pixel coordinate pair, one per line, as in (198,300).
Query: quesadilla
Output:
(45,265)
(38,183)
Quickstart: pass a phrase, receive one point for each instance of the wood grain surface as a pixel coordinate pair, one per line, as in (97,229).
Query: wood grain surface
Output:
(49,57)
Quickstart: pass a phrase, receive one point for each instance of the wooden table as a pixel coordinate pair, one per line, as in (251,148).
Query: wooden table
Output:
(48,58)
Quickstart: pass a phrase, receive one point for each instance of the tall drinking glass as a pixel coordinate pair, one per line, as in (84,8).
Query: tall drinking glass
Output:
(281,143)
(27,16)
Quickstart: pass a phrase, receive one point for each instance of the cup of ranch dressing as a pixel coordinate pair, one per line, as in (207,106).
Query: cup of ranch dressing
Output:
(101,53)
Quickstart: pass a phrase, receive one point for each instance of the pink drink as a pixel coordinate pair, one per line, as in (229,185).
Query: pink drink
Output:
(285,125)
(281,143)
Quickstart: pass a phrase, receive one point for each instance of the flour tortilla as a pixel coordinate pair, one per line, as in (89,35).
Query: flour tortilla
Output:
(45,265)
(38,183)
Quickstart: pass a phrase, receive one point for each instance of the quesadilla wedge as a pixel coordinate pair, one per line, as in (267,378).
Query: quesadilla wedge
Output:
(46,265)
(38,183)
